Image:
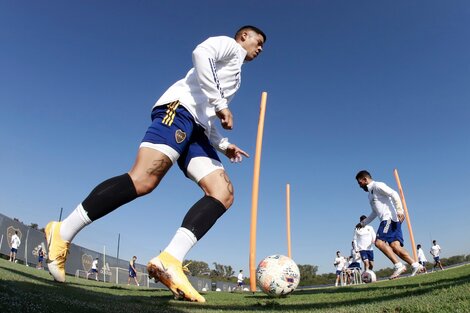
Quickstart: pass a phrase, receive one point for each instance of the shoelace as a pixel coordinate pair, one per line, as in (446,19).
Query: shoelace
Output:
(62,255)
(186,269)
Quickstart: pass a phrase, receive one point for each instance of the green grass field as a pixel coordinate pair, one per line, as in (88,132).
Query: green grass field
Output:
(24,289)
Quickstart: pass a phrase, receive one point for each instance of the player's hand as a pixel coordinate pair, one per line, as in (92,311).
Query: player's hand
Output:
(401,217)
(235,154)
(226,118)
(359,226)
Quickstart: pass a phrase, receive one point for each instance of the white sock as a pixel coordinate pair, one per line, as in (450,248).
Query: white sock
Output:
(398,265)
(181,243)
(415,264)
(74,223)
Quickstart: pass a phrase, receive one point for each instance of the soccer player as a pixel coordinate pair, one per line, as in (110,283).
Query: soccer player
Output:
(15,243)
(363,242)
(240,280)
(436,252)
(355,257)
(183,131)
(132,271)
(339,263)
(386,205)
(40,258)
(421,258)
(94,269)
(353,263)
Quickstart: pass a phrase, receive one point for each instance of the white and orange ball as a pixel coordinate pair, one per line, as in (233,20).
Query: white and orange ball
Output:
(277,275)
(368,276)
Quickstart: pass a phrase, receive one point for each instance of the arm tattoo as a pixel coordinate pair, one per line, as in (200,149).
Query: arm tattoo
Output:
(160,167)
(229,183)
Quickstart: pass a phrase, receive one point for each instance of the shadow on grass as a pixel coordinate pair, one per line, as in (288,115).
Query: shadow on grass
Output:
(34,293)
(390,292)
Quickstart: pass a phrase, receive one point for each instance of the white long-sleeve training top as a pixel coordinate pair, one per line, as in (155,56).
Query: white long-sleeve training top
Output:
(384,201)
(210,85)
(15,241)
(364,238)
(421,256)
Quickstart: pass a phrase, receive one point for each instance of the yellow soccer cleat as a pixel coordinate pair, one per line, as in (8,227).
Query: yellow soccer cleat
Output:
(57,251)
(169,271)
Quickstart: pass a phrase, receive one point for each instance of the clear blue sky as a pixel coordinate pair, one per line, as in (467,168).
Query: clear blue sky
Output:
(351,85)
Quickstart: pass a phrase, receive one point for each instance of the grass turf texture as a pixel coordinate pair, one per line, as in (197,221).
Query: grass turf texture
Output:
(24,289)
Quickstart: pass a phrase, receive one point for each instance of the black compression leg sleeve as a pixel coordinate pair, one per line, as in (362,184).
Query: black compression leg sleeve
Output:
(203,215)
(109,195)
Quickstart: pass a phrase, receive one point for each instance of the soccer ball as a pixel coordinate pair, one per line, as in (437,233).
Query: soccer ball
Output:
(277,275)
(368,276)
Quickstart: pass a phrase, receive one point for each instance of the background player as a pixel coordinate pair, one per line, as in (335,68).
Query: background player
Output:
(340,263)
(132,271)
(363,242)
(436,252)
(15,243)
(386,205)
(94,269)
(421,258)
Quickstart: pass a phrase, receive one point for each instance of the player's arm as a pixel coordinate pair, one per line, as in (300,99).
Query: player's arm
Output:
(355,240)
(235,154)
(231,151)
(389,192)
(205,57)
(368,219)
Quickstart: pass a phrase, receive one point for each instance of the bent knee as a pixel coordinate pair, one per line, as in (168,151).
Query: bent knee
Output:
(226,199)
(379,243)
(144,186)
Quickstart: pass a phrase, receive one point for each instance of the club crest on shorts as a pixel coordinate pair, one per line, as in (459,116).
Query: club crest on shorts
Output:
(180,136)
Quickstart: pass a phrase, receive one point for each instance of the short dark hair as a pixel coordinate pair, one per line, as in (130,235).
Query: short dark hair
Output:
(250,27)
(419,246)
(363,217)
(363,174)
(337,252)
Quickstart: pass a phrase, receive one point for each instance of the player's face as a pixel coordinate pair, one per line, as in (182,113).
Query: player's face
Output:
(253,43)
(363,184)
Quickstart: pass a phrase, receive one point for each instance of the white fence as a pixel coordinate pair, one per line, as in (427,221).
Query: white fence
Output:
(116,275)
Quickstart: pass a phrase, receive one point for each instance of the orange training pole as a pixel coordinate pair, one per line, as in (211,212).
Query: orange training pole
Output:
(289,250)
(255,190)
(408,222)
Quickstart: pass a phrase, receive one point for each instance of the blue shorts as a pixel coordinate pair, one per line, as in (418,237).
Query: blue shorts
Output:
(174,126)
(93,270)
(14,250)
(436,259)
(354,265)
(132,273)
(240,283)
(367,255)
(339,272)
(40,259)
(390,231)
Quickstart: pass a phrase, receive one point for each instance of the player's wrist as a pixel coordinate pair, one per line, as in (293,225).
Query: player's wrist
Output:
(220,104)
